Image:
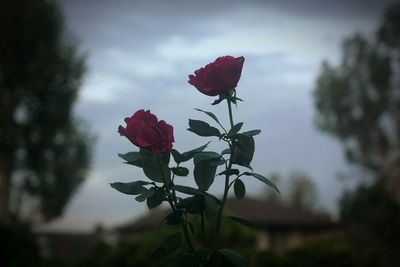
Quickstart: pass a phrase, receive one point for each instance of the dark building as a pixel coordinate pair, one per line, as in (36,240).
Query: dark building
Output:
(277,226)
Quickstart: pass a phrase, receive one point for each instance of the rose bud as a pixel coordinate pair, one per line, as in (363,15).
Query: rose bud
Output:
(145,131)
(218,77)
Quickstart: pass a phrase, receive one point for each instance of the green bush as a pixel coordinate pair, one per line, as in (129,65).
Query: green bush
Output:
(18,246)
(329,251)
(139,252)
(373,207)
(332,250)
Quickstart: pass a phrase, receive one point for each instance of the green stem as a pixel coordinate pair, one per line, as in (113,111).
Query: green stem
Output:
(186,234)
(172,189)
(233,181)
(166,184)
(203,230)
(226,188)
(171,203)
(230,112)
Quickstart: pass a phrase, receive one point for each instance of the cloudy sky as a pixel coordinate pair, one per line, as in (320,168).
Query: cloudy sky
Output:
(139,54)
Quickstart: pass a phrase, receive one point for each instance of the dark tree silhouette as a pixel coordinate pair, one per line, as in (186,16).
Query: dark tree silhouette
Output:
(358,101)
(44,151)
(372,206)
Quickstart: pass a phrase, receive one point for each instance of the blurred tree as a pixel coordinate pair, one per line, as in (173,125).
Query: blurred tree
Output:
(19,247)
(359,101)
(302,192)
(370,205)
(44,152)
(298,192)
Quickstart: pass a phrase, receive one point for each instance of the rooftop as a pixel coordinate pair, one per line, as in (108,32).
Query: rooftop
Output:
(262,214)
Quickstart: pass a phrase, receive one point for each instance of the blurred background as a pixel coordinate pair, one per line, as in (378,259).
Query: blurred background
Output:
(321,80)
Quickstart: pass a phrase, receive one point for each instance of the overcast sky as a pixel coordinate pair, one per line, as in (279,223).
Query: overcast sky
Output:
(139,54)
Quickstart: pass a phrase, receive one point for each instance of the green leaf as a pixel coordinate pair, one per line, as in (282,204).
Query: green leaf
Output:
(217,162)
(170,244)
(191,227)
(180,171)
(146,195)
(141,198)
(263,179)
(229,172)
(184,259)
(206,156)
(247,166)
(151,167)
(202,128)
(190,154)
(193,204)
(239,189)
(210,114)
(217,200)
(211,207)
(240,220)
(235,258)
(156,199)
(252,132)
(204,173)
(187,190)
(132,158)
(203,253)
(197,207)
(187,202)
(243,150)
(173,242)
(132,188)
(235,129)
(219,100)
(178,157)
(174,218)
(153,202)
(226,151)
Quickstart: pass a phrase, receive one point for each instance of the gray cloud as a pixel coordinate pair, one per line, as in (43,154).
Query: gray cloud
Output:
(133,24)
(139,56)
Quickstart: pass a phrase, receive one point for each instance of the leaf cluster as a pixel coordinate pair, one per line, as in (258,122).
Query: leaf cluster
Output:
(189,204)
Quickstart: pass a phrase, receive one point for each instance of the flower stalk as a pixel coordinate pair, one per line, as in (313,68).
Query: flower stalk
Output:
(155,139)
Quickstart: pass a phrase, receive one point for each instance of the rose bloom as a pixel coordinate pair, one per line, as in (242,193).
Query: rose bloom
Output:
(144,130)
(218,77)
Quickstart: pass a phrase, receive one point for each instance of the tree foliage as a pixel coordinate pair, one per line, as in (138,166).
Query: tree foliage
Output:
(358,101)
(370,205)
(299,191)
(302,192)
(44,149)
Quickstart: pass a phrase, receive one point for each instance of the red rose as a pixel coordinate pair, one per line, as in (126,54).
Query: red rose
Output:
(144,130)
(218,77)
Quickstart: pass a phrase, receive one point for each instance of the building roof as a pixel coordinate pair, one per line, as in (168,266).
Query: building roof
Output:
(150,220)
(262,214)
(273,214)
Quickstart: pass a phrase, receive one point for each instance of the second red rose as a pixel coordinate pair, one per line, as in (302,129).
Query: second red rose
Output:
(218,77)
(145,131)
